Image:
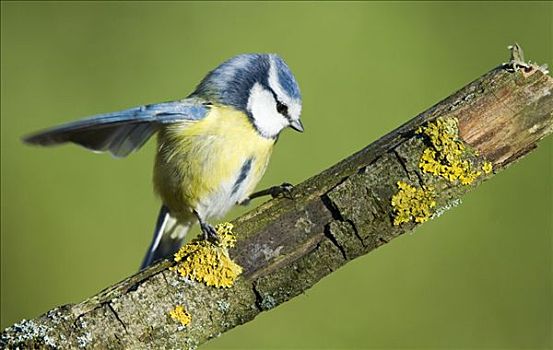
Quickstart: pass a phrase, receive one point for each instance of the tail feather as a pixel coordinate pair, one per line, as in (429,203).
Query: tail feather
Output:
(169,236)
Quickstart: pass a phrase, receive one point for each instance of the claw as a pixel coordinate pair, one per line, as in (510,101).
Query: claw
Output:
(210,234)
(284,189)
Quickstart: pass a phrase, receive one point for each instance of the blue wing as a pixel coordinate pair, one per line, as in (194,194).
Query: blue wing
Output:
(121,133)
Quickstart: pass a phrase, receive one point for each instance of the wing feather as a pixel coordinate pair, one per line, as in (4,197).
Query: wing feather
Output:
(123,132)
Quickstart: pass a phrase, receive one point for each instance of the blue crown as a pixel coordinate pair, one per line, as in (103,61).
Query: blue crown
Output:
(230,83)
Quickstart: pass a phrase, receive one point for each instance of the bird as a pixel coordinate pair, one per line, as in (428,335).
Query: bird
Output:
(213,146)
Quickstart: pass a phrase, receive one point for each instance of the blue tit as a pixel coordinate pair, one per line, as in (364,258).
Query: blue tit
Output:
(212,147)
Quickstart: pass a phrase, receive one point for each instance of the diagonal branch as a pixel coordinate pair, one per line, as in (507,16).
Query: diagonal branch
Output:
(288,244)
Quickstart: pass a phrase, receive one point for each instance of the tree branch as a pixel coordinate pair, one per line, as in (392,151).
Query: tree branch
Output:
(288,244)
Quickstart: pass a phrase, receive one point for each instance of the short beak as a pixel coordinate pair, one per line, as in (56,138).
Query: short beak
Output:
(297,125)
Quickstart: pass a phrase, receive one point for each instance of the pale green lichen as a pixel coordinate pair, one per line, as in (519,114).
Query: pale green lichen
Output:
(268,302)
(412,204)
(223,305)
(180,314)
(447,156)
(452,204)
(209,263)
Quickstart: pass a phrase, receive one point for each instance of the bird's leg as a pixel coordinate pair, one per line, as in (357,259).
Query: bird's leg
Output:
(284,190)
(208,230)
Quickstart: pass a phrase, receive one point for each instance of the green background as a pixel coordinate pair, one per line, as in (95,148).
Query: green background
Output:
(74,222)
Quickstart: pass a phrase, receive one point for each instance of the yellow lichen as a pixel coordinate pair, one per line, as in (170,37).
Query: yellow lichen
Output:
(447,155)
(180,314)
(412,203)
(487,167)
(207,262)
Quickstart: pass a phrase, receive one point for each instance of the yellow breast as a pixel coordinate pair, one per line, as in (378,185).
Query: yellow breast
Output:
(203,165)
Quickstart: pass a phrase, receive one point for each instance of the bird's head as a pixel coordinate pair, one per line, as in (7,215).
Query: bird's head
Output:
(260,85)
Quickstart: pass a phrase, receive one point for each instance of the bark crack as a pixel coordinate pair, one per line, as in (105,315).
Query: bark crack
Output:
(258,297)
(331,206)
(356,232)
(337,215)
(117,317)
(334,241)
(403,164)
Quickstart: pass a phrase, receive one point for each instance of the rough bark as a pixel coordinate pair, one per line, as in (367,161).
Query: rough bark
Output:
(288,244)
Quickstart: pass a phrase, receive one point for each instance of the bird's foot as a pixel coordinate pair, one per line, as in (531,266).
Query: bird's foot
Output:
(282,190)
(210,233)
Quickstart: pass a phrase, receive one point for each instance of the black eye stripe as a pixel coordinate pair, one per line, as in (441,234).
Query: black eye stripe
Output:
(280,107)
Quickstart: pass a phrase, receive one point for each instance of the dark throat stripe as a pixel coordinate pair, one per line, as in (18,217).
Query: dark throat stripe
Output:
(244,171)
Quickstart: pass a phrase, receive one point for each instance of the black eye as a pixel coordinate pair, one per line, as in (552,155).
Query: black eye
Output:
(282,108)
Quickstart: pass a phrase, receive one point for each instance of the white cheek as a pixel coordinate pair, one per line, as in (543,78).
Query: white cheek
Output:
(262,106)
